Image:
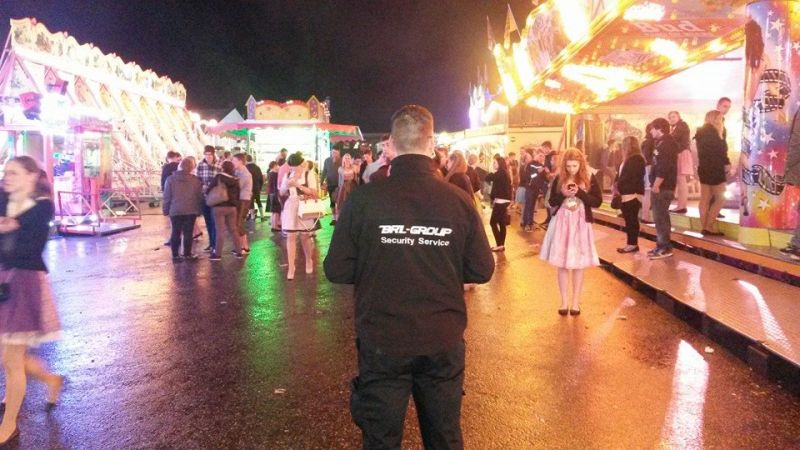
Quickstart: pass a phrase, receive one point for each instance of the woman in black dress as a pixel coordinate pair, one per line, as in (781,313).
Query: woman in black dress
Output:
(273,196)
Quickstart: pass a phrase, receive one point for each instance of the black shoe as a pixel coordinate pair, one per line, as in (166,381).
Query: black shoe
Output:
(679,211)
(563,312)
(720,216)
(711,233)
(191,257)
(789,250)
(574,312)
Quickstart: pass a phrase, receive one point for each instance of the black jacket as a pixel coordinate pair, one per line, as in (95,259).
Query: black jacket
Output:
(230,182)
(501,185)
(258,177)
(631,177)
(461,181)
(22,248)
(665,163)
(167,170)
(474,179)
(682,135)
(591,199)
(409,243)
(712,154)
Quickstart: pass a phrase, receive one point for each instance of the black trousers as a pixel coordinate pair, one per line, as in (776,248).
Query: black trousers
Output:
(332,196)
(380,395)
(498,222)
(630,211)
(182,226)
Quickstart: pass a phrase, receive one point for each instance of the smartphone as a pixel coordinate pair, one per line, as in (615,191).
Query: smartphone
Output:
(572,186)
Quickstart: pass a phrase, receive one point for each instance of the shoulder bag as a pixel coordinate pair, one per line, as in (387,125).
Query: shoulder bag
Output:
(217,195)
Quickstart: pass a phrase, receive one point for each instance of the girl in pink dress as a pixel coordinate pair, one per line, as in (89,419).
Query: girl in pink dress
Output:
(569,242)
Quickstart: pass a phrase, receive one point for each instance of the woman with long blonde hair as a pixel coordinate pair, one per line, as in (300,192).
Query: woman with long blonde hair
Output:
(569,242)
(348,179)
(712,153)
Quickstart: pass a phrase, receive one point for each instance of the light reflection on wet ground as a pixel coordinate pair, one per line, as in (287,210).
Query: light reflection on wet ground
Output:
(190,356)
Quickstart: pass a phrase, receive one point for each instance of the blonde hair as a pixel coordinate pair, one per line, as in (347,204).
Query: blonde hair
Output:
(459,164)
(582,177)
(714,118)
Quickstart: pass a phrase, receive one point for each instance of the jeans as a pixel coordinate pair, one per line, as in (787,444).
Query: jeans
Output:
(226,217)
(498,222)
(379,397)
(208,216)
(661,202)
(529,208)
(630,211)
(241,220)
(182,226)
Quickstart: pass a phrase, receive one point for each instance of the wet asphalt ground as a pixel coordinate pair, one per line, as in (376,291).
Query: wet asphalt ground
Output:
(230,355)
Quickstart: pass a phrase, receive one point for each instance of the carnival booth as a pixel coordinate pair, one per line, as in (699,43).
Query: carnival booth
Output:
(622,63)
(100,127)
(294,125)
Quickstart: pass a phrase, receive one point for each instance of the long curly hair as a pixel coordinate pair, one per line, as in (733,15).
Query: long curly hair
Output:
(582,178)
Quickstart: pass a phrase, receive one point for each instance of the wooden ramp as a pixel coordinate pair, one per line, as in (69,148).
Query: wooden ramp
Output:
(756,317)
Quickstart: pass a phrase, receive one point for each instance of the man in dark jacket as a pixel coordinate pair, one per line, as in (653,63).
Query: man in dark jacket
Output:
(258,184)
(173,159)
(183,201)
(663,179)
(409,244)
(330,177)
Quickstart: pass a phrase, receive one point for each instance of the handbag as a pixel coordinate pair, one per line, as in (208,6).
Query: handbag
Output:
(311,209)
(217,195)
(5,288)
(616,201)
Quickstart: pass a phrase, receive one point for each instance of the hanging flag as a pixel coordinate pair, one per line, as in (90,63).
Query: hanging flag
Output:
(511,26)
(490,35)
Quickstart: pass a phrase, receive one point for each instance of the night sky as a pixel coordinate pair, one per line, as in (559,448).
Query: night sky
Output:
(370,57)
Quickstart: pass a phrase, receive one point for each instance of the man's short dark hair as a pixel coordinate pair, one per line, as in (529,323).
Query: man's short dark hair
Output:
(661,124)
(283,150)
(547,144)
(249,158)
(412,129)
(172,154)
(240,157)
(209,149)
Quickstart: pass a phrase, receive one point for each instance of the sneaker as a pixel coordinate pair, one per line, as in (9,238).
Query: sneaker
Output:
(663,253)
(208,249)
(628,249)
(214,257)
(191,257)
(794,257)
(789,250)
(679,211)
(653,251)
(499,248)
(238,255)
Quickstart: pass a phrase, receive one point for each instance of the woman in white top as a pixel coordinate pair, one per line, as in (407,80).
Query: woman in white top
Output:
(300,184)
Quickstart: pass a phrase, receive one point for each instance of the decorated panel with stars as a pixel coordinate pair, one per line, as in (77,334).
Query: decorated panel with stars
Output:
(771,100)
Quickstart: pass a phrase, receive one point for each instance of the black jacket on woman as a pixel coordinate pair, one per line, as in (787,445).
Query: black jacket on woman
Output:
(591,199)
(22,248)
(232,183)
(461,180)
(712,153)
(631,177)
(501,185)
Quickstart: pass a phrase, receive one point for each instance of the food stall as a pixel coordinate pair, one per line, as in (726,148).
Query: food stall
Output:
(295,125)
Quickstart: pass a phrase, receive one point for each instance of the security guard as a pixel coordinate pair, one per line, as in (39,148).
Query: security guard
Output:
(408,244)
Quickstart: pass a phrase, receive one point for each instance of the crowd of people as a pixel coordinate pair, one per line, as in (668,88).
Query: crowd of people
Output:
(411,216)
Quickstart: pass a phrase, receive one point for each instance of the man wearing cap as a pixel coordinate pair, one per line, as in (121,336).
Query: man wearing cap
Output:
(409,244)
